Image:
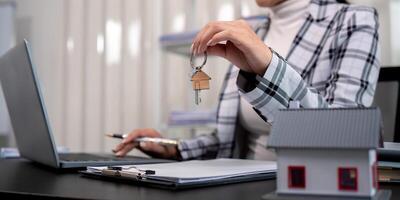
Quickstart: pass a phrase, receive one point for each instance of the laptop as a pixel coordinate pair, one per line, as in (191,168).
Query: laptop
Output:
(30,121)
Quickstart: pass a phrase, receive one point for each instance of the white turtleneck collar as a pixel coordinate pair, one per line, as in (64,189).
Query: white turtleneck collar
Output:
(288,11)
(286,20)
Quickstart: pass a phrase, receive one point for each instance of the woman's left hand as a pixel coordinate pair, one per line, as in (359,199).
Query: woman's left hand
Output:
(243,47)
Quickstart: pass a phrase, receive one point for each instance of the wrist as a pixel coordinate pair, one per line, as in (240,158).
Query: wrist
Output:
(267,60)
(178,155)
(175,153)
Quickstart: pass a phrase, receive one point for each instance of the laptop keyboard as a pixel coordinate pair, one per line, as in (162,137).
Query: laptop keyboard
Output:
(86,157)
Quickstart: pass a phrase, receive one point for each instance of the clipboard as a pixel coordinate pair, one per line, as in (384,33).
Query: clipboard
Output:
(227,171)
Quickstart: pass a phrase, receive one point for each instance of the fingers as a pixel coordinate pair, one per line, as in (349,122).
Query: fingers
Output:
(234,31)
(119,147)
(125,149)
(207,34)
(129,142)
(202,38)
(140,133)
(243,47)
(132,136)
(217,50)
(222,36)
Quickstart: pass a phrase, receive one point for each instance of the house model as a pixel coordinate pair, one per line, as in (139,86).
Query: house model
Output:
(326,152)
(200,80)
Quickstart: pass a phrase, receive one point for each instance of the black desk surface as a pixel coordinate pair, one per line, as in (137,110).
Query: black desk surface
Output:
(20,178)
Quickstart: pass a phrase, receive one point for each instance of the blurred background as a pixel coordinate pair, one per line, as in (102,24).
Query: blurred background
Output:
(116,65)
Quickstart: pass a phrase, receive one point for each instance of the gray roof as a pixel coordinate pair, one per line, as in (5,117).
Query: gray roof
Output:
(354,128)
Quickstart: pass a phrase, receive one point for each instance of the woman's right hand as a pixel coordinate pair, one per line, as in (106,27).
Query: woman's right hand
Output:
(235,41)
(149,148)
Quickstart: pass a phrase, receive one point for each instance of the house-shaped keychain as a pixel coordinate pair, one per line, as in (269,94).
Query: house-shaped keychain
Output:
(200,81)
(327,154)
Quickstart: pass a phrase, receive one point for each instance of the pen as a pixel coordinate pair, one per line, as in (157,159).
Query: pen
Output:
(162,141)
(114,135)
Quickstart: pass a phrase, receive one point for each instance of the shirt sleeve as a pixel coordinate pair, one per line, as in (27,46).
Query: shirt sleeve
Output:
(354,73)
(201,147)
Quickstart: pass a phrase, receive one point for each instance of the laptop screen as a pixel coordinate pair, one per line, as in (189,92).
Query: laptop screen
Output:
(25,106)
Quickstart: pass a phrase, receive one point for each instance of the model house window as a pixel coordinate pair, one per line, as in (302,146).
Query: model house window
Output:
(347,178)
(297,176)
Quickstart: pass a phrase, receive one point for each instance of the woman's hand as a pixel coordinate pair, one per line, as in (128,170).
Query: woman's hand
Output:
(151,149)
(243,47)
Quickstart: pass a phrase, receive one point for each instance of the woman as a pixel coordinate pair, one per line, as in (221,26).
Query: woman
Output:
(320,53)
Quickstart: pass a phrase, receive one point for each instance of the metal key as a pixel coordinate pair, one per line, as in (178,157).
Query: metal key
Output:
(197,98)
(200,81)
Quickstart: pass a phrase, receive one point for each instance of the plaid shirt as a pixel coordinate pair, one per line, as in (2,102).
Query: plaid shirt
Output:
(333,62)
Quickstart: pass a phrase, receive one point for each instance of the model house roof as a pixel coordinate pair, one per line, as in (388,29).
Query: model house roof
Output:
(354,128)
(200,75)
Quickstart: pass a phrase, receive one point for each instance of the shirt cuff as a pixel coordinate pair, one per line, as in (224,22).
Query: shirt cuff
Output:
(182,150)
(190,149)
(247,81)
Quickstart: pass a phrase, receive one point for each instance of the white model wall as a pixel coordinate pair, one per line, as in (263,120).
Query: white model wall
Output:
(322,168)
(373,161)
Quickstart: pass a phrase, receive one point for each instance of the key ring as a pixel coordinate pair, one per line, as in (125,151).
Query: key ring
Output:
(192,64)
